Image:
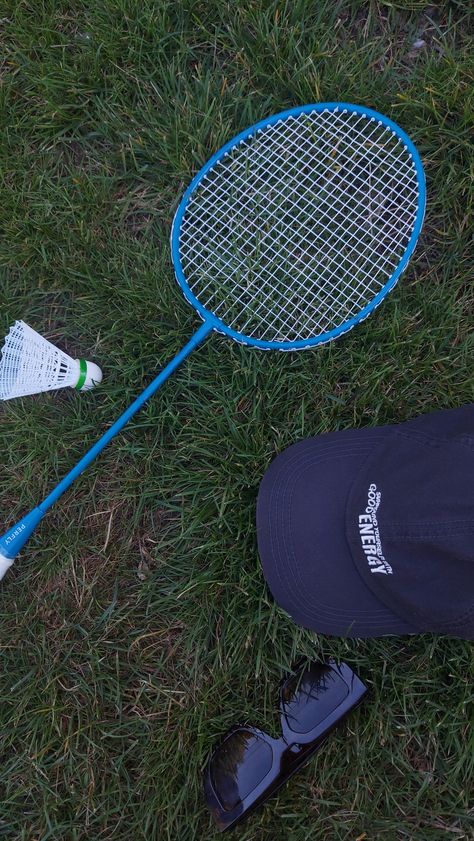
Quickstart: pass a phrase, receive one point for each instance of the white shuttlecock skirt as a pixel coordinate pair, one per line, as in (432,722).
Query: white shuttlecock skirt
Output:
(30,365)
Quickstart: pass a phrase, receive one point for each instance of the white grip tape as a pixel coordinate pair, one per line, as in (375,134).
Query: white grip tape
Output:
(5,563)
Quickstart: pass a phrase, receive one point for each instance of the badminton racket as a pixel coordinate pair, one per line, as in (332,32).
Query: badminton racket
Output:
(291,234)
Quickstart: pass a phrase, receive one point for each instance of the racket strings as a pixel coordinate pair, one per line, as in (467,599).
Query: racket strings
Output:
(246,229)
(299,226)
(273,276)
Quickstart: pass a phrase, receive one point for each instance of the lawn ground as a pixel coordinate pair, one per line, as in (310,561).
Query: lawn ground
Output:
(136,627)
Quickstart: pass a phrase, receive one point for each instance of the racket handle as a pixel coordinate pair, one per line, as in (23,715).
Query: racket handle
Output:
(15,538)
(5,563)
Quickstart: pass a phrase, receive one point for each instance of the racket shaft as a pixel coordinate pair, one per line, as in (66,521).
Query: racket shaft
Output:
(13,541)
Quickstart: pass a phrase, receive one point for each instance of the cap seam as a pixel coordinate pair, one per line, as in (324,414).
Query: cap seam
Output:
(436,441)
(399,531)
(466,440)
(440,523)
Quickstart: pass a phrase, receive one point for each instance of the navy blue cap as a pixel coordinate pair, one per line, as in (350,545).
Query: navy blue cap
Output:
(369,532)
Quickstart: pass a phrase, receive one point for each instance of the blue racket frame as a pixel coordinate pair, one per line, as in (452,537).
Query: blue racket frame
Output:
(16,537)
(219,325)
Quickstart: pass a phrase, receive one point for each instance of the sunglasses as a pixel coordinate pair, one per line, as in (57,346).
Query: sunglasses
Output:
(248,765)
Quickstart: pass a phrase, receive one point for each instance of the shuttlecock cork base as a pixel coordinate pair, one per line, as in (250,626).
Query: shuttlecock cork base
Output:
(30,365)
(89,375)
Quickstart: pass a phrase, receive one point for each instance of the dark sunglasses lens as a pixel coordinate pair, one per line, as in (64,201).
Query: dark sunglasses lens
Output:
(238,766)
(309,698)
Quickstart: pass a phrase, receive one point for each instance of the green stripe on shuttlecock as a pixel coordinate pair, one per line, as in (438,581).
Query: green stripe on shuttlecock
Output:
(89,375)
(82,374)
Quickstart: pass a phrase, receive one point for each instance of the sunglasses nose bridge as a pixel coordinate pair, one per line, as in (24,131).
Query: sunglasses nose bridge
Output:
(290,742)
(294,747)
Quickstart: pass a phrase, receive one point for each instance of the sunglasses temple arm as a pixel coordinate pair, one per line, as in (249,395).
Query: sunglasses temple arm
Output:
(16,537)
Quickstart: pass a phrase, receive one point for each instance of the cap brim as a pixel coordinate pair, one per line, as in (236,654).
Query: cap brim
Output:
(302,541)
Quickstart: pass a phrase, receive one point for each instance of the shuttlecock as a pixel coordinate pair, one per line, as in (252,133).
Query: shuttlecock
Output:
(30,364)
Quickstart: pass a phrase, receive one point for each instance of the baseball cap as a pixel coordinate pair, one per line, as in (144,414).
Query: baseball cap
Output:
(368,532)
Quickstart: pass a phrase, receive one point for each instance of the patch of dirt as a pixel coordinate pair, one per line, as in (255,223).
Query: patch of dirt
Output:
(418,760)
(141,206)
(408,39)
(86,156)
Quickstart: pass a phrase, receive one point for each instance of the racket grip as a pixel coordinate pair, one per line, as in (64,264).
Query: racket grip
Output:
(5,563)
(12,542)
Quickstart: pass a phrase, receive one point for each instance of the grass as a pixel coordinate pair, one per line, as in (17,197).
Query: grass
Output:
(136,627)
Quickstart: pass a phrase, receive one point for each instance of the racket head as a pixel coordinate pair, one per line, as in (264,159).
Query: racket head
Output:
(189,235)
